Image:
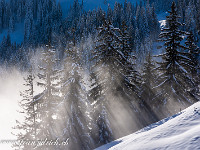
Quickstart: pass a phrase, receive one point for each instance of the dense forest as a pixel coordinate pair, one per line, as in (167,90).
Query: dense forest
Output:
(102,74)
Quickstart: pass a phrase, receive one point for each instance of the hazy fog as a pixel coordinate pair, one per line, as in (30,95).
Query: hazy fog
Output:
(11,83)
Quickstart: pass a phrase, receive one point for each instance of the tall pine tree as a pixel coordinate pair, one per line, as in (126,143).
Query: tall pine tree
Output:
(47,101)
(174,80)
(27,130)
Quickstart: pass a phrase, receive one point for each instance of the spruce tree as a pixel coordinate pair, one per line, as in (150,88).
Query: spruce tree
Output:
(74,109)
(174,80)
(130,77)
(48,99)
(101,130)
(148,98)
(105,77)
(126,40)
(148,81)
(27,130)
(190,20)
(28,24)
(193,55)
(11,24)
(107,52)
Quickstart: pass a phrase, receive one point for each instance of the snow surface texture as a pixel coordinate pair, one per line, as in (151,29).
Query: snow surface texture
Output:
(181,131)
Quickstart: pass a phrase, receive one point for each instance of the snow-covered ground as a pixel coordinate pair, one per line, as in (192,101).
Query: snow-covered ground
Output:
(179,132)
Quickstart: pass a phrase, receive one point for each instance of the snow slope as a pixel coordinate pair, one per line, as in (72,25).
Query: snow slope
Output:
(181,131)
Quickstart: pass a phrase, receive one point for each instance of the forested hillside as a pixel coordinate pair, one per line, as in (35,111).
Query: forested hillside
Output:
(103,74)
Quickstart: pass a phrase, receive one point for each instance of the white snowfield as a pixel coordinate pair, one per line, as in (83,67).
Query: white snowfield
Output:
(179,132)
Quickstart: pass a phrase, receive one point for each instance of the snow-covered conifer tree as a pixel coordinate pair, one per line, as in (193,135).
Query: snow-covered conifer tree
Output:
(126,40)
(27,130)
(11,24)
(130,77)
(28,24)
(148,80)
(105,77)
(190,21)
(48,99)
(193,55)
(74,108)
(101,130)
(174,80)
